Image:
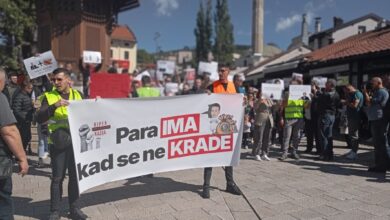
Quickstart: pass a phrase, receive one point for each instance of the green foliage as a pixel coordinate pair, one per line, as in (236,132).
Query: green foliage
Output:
(17,25)
(143,57)
(203,32)
(224,40)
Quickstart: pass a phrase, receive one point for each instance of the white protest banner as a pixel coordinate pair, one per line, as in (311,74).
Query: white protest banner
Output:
(297,92)
(321,81)
(125,138)
(165,67)
(272,91)
(40,65)
(92,56)
(209,68)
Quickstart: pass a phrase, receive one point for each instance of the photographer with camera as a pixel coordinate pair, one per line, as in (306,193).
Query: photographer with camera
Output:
(376,99)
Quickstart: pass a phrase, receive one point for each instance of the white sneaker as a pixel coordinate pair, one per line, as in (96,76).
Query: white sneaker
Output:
(265,157)
(352,156)
(258,158)
(45,155)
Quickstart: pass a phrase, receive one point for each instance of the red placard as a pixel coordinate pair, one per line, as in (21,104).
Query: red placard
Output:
(109,85)
(124,64)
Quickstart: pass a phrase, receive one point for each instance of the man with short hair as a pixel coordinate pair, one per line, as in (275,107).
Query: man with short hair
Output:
(224,86)
(354,105)
(12,87)
(376,101)
(147,90)
(54,110)
(10,144)
(292,122)
(328,103)
(238,80)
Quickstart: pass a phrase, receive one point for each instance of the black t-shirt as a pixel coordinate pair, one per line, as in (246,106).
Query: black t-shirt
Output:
(6,116)
(328,102)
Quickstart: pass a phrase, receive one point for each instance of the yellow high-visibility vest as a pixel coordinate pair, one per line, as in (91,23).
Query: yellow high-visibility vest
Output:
(294,109)
(60,117)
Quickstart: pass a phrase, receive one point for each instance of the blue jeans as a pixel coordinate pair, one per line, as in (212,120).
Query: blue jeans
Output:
(6,204)
(379,129)
(325,126)
(43,145)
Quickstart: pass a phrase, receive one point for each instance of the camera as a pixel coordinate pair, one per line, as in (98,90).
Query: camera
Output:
(367,86)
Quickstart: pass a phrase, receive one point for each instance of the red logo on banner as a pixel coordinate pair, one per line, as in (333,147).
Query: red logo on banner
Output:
(195,145)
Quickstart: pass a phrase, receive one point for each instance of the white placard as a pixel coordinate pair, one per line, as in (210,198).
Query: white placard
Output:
(181,132)
(272,91)
(92,56)
(297,76)
(211,68)
(41,64)
(321,81)
(165,67)
(171,88)
(139,76)
(297,92)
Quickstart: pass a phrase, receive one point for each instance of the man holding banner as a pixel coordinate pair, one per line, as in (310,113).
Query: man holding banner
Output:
(54,110)
(225,87)
(292,123)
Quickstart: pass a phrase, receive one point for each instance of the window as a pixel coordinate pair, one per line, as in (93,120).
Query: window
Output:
(361,29)
(127,44)
(112,53)
(126,55)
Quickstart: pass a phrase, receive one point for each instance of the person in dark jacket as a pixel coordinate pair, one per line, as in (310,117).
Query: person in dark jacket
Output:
(12,87)
(328,103)
(23,110)
(87,70)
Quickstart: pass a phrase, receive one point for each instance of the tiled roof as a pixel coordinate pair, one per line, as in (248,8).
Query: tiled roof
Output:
(123,32)
(367,43)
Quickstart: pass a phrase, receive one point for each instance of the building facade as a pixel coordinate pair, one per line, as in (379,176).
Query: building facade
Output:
(124,48)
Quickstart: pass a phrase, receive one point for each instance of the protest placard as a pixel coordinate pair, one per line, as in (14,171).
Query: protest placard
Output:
(139,76)
(182,132)
(272,91)
(297,92)
(40,65)
(342,80)
(321,81)
(165,67)
(109,85)
(297,76)
(92,56)
(209,68)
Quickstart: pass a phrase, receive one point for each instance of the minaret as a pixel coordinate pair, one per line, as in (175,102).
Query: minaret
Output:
(257,27)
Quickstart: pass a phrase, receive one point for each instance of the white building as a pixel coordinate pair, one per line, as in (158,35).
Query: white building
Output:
(124,48)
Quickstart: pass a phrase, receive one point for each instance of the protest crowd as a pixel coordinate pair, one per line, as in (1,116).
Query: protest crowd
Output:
(270,122)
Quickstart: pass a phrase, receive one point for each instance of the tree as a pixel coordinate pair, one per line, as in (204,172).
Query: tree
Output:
(17,31)
(143,57)
(200,34)
(203,32)
(224,40)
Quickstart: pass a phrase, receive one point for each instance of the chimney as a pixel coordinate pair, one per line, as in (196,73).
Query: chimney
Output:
(317,26)
(337,22)
(305,32)
(382,24)
(257,27)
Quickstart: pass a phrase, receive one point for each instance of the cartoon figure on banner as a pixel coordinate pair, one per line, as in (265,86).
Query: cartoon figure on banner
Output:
(220,124)
(88,135)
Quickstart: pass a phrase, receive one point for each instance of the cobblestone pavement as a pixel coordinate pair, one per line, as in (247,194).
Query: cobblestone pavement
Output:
(305,189)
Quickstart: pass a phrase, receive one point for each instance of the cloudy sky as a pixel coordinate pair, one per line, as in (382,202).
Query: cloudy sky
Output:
(174,20)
